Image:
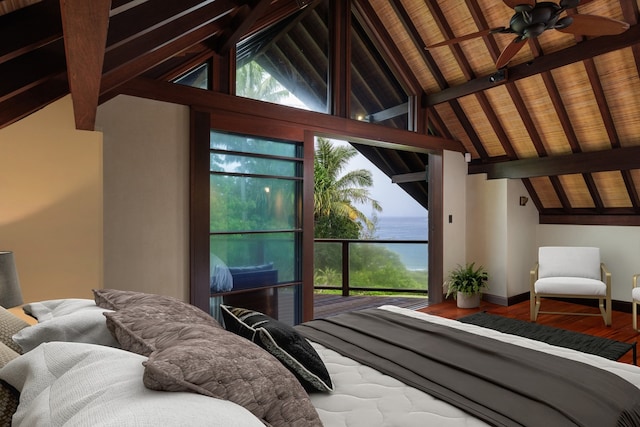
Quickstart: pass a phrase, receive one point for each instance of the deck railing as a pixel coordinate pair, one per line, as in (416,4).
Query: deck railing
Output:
(381,266)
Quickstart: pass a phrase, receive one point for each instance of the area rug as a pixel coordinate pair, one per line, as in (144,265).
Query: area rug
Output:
(604,347)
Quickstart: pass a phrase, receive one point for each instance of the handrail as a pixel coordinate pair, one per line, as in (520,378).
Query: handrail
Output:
(345,243)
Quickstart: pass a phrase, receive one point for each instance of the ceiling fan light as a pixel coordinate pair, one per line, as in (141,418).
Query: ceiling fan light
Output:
(534,30)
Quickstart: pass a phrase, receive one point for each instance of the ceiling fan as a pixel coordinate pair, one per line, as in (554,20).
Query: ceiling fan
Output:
(532,18)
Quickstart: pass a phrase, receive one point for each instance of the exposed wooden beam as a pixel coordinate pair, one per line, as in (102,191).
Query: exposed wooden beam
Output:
(320,123)
(579,52)
(241,23)
(85,24)
(585,162)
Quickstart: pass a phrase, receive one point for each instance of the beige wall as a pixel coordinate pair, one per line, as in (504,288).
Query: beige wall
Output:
(146,196)
(454,205)
(51,203)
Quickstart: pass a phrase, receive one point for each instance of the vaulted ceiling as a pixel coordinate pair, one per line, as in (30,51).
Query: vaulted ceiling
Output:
(563,114)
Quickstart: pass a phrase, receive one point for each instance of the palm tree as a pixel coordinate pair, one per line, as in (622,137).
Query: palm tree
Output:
(335,195)
(252,81)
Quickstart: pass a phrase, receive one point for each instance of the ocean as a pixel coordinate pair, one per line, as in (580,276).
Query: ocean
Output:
(413,256)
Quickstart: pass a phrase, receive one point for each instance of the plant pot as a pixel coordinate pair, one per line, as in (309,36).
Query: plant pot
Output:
(468,301)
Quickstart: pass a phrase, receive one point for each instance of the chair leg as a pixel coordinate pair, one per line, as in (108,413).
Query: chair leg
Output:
(532,308)
(634,313)
(606,312)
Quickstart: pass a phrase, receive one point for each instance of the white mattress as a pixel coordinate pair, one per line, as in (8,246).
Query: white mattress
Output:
(367,398)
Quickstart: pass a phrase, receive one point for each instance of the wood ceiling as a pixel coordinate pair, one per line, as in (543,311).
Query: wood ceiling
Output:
(565,119)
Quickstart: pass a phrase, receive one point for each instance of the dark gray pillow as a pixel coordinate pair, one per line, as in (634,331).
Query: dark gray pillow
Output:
(282,341)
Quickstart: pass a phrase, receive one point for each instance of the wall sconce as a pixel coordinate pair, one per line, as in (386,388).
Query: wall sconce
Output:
(10,294)
(523,200)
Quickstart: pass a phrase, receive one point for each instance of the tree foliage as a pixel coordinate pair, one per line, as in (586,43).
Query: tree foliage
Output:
(336,191)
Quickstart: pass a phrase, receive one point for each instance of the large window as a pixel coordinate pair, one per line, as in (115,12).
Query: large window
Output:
(255,224)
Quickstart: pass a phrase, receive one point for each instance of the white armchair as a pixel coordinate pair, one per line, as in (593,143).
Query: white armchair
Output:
(570,272)
(635,300)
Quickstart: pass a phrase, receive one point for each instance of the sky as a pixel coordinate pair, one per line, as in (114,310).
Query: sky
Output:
(393,199)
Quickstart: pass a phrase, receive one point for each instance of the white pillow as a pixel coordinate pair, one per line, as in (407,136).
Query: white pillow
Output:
(86,326)
(74,384)
(49,309)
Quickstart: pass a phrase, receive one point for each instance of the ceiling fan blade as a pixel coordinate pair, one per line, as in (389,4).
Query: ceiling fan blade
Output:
(510,51)
(513,3)
(465,37)
(592,25)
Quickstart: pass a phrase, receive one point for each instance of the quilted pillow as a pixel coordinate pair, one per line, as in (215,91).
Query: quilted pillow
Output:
(114,299)
(138,327)
(217,363)
(282,341)
(9,326)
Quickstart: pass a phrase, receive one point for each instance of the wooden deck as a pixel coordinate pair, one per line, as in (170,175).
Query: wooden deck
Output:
(621,329)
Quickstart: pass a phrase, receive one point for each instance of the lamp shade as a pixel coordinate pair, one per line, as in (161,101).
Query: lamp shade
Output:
(10,293)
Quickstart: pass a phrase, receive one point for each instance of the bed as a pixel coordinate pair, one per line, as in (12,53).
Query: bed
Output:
(138,359)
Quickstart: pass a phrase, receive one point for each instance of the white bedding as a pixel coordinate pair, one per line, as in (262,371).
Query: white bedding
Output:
(71,383)
(364,397)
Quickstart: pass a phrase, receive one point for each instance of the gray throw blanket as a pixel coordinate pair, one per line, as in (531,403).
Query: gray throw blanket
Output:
(499,383)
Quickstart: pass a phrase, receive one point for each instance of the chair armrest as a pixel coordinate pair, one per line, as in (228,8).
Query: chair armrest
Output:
(533,276)
(606,275)
(635,280)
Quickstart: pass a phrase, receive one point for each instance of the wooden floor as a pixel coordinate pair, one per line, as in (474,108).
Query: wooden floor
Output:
(620,328)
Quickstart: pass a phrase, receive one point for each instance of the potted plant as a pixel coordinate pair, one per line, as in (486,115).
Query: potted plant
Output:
(466,284)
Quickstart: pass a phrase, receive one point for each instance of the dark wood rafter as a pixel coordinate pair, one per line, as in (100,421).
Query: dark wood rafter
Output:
(562,195)
(29,29)
(585,162)
(580,52)
(593,191)
(520,105)
(340,53)
(533,194)
(240,24)
(85,25)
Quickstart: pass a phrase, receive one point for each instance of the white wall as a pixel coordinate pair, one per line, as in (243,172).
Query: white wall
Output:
(454,204)
(146,196)
(487,229)
(619,249)
(51,203)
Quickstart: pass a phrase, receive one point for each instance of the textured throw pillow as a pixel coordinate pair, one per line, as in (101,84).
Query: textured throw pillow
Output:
(282,341)
(138,327)
(218,363)
(114,299)
(9,396)
(9,326)
(80,385)
(86,326)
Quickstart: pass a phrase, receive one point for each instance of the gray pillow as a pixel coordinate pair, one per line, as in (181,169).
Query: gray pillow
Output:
(218,363)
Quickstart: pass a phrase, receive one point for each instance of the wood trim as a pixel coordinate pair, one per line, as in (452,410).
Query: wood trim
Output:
(199,209)
(593,219)
(436,228)
(321,124)
(307,227)
(85,25)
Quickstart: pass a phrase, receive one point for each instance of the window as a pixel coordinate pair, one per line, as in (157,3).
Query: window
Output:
(255,195)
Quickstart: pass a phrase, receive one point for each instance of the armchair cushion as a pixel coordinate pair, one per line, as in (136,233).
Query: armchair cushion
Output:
(571,286)
(564,261)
